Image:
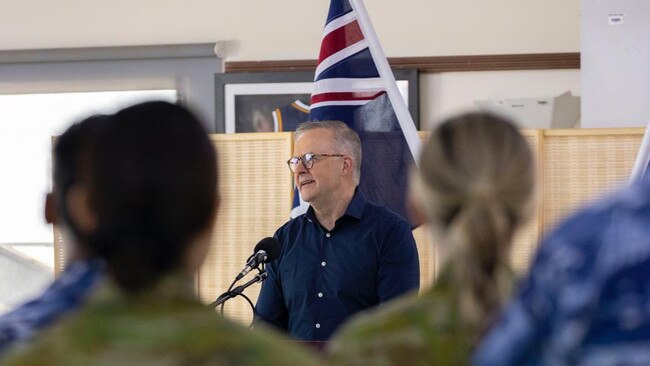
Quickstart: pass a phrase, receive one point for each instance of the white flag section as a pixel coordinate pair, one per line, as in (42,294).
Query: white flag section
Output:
(399,106)
(643,158)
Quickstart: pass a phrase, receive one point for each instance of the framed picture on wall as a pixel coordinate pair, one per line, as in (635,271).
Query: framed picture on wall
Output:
(245,102)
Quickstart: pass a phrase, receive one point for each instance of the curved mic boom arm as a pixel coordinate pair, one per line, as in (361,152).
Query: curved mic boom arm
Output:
(238,291)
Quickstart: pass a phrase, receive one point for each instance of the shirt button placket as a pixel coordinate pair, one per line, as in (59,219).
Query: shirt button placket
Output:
(323,264)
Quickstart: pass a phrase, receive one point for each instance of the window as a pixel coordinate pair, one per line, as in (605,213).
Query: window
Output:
(28,121)
(41,94)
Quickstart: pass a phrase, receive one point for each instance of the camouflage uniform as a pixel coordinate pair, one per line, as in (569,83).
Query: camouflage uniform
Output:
(412,330)
(163,326)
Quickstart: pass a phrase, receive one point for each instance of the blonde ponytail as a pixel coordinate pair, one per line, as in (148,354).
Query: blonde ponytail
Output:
(475,184)
(482,235)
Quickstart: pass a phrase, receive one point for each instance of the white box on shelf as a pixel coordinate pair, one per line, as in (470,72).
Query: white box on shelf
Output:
(562,111)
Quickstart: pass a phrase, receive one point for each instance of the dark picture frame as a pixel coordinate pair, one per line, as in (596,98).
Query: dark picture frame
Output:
(245,101)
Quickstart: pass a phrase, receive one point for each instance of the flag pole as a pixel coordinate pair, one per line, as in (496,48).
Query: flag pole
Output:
(643,158)
(387,77)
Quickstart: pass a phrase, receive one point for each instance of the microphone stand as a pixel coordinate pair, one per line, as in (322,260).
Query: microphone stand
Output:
(261,276)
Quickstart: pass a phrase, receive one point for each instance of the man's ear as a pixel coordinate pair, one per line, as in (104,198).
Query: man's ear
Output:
(49,210)
(80,210)
(348,165)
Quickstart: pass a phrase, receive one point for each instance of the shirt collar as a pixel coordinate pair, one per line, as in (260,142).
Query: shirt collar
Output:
(355,208)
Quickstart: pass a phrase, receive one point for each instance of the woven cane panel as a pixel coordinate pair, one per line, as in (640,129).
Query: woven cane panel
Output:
(582,166)
(426,249)
(524,246)
(255,189)
(426,252)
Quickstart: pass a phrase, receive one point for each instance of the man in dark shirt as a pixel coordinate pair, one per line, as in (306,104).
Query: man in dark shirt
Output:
(342,256)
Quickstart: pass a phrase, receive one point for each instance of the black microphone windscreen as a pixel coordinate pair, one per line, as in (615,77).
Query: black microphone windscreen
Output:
(271,246)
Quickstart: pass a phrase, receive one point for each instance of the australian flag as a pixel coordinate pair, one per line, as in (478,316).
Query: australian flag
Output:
(352,84)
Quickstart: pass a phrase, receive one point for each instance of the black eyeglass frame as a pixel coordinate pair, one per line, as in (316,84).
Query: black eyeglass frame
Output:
(307,160)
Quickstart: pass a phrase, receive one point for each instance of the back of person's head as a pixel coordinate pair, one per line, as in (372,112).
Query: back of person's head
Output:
(71,164)
(474,185)
(151,191)
(344,136)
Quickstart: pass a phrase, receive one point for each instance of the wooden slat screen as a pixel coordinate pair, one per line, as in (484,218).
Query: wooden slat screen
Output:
(59,252)
(255,189)
(579,166)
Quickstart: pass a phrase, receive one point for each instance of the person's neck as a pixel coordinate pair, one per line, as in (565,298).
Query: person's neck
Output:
(75,253)
(330,210)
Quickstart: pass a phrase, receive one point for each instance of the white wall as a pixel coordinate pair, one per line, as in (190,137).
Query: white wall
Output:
(21,278)
(291,29)
(446,94)
(615,63)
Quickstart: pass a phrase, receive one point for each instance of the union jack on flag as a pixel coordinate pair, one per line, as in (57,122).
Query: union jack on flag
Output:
(346,75)
(354,84)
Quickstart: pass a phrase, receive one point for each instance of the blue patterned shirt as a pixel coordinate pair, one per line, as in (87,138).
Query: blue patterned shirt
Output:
(586,300)
(322,277)
(65,294)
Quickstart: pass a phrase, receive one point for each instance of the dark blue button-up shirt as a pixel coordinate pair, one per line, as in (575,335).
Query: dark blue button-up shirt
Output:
(322,277)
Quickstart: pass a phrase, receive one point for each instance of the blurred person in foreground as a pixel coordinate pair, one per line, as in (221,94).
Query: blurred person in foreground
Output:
(82,271)
(146,203)
(342,256)
(586,299)
(474,188)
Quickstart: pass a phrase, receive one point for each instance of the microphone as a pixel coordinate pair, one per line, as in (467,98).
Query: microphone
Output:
(265,251)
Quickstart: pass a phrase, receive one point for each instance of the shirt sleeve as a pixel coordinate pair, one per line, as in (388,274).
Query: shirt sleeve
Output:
(270,307)
(399,265)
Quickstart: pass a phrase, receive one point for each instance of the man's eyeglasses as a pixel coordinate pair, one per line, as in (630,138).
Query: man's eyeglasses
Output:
(307,160)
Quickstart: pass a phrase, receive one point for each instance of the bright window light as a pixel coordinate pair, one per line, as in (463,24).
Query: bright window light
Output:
(27,124)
